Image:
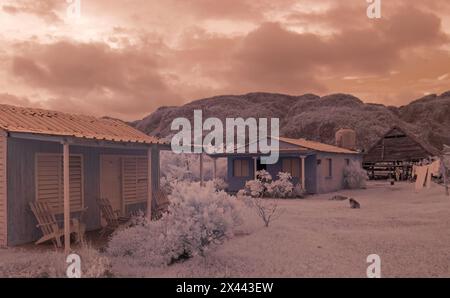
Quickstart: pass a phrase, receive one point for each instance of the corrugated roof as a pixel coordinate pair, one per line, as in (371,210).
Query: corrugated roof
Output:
(317,146)
(40,121)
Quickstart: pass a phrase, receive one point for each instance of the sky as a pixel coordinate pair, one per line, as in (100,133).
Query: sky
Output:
(126,58)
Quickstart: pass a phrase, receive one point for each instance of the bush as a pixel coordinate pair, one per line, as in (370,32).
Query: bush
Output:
(198,217)
(281,188)
(355,177)
(20,263)
(220,184)
(254,188)
(264,186)
(167,182)
(264,176)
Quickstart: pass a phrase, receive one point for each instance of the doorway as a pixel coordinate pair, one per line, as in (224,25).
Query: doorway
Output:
(111,180)
(260,166)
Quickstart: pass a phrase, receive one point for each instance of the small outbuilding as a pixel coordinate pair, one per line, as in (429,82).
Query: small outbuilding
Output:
(69,161)
(396,151)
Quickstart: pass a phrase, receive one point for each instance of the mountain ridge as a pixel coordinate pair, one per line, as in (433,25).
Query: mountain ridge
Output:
(317,118)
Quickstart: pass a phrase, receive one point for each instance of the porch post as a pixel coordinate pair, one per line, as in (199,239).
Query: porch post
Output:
(66,197)
(303,172)
(255,167)
(215,167)
(201,169)
(149,184)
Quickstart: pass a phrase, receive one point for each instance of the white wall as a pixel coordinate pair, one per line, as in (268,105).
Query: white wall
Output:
(327,184)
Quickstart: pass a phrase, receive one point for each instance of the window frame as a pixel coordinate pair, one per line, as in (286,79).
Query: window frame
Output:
(329,165)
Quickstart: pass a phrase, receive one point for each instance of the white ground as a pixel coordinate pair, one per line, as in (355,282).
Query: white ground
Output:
(321,238)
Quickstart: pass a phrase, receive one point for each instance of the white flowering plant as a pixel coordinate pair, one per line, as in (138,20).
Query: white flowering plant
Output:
(264,186)
(355,177)
(198,218)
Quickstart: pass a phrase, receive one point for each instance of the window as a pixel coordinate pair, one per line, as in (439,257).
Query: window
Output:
(240,168)
(134,179)
(291,166)
(50,181)
(329,164)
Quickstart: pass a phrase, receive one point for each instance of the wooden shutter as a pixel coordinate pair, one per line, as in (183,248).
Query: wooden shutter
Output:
(291,166)
(241,168)
(50,184)
(3,192)
(75,181)
(295,172)
(245,168)
(134,179)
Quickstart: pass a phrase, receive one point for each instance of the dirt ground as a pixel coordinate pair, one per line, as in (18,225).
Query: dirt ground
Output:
(317,237)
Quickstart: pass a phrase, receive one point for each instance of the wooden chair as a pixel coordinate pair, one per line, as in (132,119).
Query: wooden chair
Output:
(162,204)
(49,225)
(111,216)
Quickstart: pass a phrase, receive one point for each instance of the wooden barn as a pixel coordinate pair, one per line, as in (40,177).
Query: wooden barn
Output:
(69,161)
(396,150)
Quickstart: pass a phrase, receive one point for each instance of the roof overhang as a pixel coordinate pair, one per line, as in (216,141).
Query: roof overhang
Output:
(74,141)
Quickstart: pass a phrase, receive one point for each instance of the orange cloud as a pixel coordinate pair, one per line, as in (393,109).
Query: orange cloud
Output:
(125,61)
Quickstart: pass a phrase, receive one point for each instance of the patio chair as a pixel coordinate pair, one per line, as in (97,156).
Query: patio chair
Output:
(50,228)
(162,204)
(112,217)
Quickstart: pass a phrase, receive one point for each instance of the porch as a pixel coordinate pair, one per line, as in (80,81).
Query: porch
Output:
(243,168)
(70,174)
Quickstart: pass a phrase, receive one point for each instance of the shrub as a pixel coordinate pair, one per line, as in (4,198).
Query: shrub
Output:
(267,210)
(254,188)
(220,184)
(355,176)
(198,217)
(20,263)
(167,182)
(264,186)
(281,188)
(264,176)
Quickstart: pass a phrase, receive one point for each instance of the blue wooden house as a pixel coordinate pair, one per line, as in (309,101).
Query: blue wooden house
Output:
(316,166)
(69,161)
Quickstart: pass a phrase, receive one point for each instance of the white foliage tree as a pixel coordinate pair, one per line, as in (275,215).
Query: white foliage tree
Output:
(355,176)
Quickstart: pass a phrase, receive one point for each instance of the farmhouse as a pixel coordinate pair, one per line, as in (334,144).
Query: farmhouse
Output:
(398,150)
(318,167)
(69,161)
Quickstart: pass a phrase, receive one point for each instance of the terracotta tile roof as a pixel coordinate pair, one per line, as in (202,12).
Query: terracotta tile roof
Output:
(317,146)
(39,121)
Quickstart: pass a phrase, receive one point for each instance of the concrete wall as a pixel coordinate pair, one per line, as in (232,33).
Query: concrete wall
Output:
(327,184)
(21,184)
